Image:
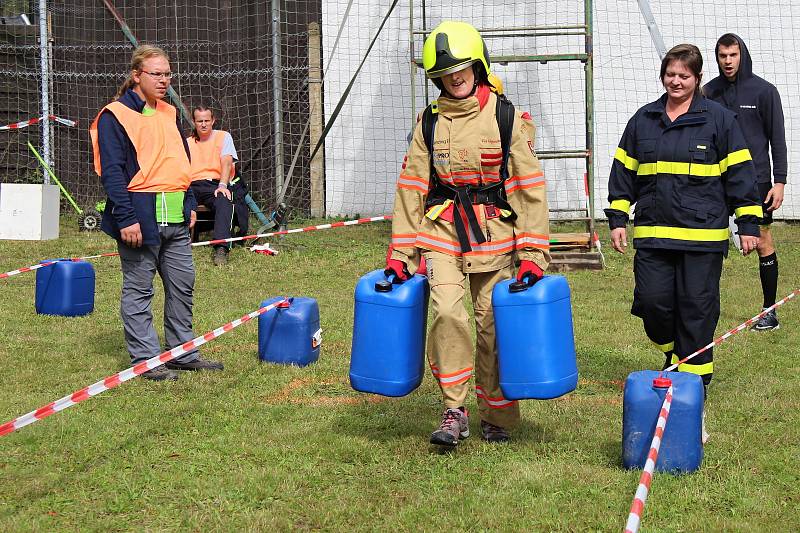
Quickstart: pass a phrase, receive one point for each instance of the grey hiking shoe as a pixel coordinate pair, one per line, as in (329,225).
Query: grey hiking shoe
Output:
(454,426)
(220,256)
(767,322)
(197,364)
(160,373)
(492,433)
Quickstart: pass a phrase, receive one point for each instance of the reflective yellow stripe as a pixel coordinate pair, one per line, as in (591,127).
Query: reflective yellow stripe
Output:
(623,157)
(700,370)
(734,158)
(668,347)
(621,205)
(434,212)
(681,234)
(755,210)
(673,167)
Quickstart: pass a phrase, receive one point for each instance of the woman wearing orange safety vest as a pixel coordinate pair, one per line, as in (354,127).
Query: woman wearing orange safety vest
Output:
(143,163)
(213,156)
(468,208)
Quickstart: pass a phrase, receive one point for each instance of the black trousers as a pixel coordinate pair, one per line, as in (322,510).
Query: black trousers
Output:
(677,298)
(241,212)
(219,205)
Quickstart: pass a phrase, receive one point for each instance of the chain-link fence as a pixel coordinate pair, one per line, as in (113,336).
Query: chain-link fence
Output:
(223,54)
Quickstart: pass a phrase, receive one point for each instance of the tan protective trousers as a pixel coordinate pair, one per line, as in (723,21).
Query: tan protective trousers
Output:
(450,350)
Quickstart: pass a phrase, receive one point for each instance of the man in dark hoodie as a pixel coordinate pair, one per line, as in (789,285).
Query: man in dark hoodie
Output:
(760,115)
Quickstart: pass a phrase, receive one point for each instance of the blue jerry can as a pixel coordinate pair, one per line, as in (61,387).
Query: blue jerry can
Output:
(389,325)
(65,288)
(681,447)
(535,343)
(290,335)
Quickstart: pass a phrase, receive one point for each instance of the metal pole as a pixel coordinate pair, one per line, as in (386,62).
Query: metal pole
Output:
(51,129)
(45,72)
(413,66)
(176,100)
(652,27)
(589,77)
(425,30)
(277,96)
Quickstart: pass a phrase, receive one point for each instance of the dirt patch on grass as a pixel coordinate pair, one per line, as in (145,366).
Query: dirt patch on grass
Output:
(290,394)
(618,383)
(591,400)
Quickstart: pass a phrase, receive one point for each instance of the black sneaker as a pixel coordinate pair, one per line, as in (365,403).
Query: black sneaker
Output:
(492,433)
(220,256)
(160,373)
(197,364)
(767,322)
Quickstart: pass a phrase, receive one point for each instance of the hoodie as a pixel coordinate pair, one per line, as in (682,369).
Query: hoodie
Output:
(757,105)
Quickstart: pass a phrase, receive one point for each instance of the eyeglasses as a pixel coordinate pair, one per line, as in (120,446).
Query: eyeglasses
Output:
(159,75)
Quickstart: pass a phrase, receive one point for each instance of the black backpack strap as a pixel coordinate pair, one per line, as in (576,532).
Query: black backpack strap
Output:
(429,118)
(505,120)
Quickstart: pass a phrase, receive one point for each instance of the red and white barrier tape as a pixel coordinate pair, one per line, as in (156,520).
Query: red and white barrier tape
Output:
(36,120)
(112,381)
(218,241)
(635,516)
(48,263)
(734,331)
(298,230)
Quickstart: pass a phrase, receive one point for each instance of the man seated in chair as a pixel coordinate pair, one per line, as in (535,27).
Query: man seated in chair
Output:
(213,156)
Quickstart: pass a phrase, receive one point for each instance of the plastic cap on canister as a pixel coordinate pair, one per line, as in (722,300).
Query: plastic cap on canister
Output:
(662,383)
(383,286)
(283,305)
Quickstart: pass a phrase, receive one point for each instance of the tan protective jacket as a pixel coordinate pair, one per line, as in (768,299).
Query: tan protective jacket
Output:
(467,151)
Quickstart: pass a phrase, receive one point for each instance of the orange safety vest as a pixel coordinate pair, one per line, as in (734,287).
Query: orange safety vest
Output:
(163,163)
(206,156)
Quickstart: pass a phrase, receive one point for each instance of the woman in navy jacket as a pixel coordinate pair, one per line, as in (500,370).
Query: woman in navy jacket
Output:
(684,164)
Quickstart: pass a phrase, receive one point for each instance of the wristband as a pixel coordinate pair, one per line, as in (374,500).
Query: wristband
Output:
(222,185)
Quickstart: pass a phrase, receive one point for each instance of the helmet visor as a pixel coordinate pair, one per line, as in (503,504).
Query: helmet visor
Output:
(441,68)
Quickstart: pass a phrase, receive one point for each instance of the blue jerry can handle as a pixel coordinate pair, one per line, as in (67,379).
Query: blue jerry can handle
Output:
(386,285)
(519,286)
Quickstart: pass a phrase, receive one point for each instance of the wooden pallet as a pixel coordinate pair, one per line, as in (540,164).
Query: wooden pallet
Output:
(567,241)
(572,251)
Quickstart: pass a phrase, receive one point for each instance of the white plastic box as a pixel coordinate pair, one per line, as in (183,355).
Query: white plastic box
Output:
(29,211)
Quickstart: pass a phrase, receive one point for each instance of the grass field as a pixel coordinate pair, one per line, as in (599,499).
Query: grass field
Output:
(264,447)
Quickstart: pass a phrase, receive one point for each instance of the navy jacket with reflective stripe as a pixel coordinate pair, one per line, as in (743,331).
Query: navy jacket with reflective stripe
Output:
(682,176)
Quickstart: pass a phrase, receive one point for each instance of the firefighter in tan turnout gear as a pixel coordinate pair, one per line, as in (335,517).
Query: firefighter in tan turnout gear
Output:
(470,197)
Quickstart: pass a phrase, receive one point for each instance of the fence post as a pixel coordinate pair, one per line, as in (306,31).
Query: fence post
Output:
(45,72)
(315,117)
(277,95)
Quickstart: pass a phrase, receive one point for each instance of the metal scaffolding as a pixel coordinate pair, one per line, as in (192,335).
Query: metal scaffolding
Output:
(584,30)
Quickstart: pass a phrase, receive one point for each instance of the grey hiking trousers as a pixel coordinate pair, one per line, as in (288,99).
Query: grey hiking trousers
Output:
(172,259)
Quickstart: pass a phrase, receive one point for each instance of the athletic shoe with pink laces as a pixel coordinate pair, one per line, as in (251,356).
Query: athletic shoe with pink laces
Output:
(454,426)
